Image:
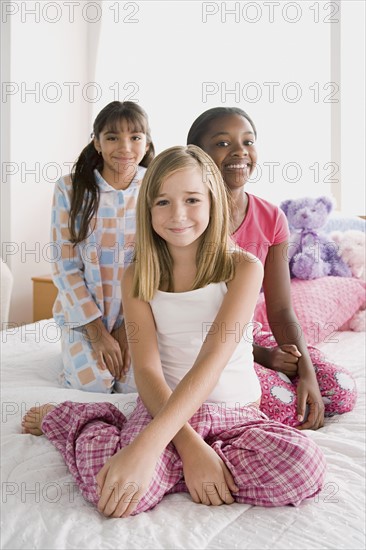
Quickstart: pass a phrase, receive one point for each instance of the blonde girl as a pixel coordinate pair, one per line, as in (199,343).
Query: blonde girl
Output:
(197,426)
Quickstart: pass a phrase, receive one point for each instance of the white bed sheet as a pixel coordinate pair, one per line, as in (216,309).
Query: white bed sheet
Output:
(42,507)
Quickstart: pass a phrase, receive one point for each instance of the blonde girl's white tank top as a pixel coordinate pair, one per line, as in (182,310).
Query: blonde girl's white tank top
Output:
(182,321)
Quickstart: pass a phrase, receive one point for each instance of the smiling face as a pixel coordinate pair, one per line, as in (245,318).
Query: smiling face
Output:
(230,142)
(122,149)
(180,213)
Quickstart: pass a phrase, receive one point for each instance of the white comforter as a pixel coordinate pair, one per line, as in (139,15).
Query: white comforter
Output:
(42,507)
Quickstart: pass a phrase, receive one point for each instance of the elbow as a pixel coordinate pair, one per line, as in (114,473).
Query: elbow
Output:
(283,318)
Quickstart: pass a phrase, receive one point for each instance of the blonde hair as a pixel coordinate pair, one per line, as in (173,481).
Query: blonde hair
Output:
(153,262)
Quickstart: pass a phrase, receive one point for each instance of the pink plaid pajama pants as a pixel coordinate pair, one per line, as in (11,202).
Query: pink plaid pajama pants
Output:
(279,397)
(272,464)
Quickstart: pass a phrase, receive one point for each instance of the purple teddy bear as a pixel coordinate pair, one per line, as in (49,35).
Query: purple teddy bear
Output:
(312,254)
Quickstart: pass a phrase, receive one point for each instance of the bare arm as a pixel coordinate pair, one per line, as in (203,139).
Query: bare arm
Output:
(135,464)
(68,275)
(237,307)
(282,358)
(149,377)
(286,329)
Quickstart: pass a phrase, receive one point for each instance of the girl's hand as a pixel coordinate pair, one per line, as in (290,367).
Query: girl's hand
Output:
(308,393)
(284,359)
(106,348)
(207,478)
(124,479)
(120,335)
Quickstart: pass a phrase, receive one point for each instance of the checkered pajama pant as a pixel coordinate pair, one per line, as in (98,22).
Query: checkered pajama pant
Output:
(279,395)
(272,464)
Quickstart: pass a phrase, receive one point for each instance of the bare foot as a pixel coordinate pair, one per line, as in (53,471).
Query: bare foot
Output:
(32,420)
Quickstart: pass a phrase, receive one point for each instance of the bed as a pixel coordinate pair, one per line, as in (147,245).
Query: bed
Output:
(42,507)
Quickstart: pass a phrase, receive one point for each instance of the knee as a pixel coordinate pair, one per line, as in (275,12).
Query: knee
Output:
(283,466)
(302,474)
(347,390)
(344,395)
(80,367)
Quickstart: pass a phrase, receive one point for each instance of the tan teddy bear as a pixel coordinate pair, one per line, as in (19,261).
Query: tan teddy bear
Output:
(352,249)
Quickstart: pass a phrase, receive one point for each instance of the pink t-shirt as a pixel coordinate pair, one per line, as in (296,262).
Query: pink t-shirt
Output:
(263,226)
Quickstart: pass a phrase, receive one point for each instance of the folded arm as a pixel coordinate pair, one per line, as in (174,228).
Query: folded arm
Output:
(172,410)
(79,307)
(287,330)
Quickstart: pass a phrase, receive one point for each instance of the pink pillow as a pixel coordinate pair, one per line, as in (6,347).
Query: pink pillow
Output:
(322,305)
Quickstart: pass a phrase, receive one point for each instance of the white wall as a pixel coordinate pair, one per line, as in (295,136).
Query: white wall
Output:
(353,69)
(47,130)
(179,59)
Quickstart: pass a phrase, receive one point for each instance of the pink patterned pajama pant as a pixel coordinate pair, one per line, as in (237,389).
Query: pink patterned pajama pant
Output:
(272,464)
(279,399)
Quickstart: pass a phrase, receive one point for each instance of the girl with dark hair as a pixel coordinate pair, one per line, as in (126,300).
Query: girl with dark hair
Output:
(298,384)
(93,229)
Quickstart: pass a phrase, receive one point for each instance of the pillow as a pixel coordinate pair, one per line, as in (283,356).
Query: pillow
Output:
(339,222)
(322,305)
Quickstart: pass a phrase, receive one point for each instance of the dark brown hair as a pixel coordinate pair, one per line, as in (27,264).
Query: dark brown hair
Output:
(85,191)
(202,123)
